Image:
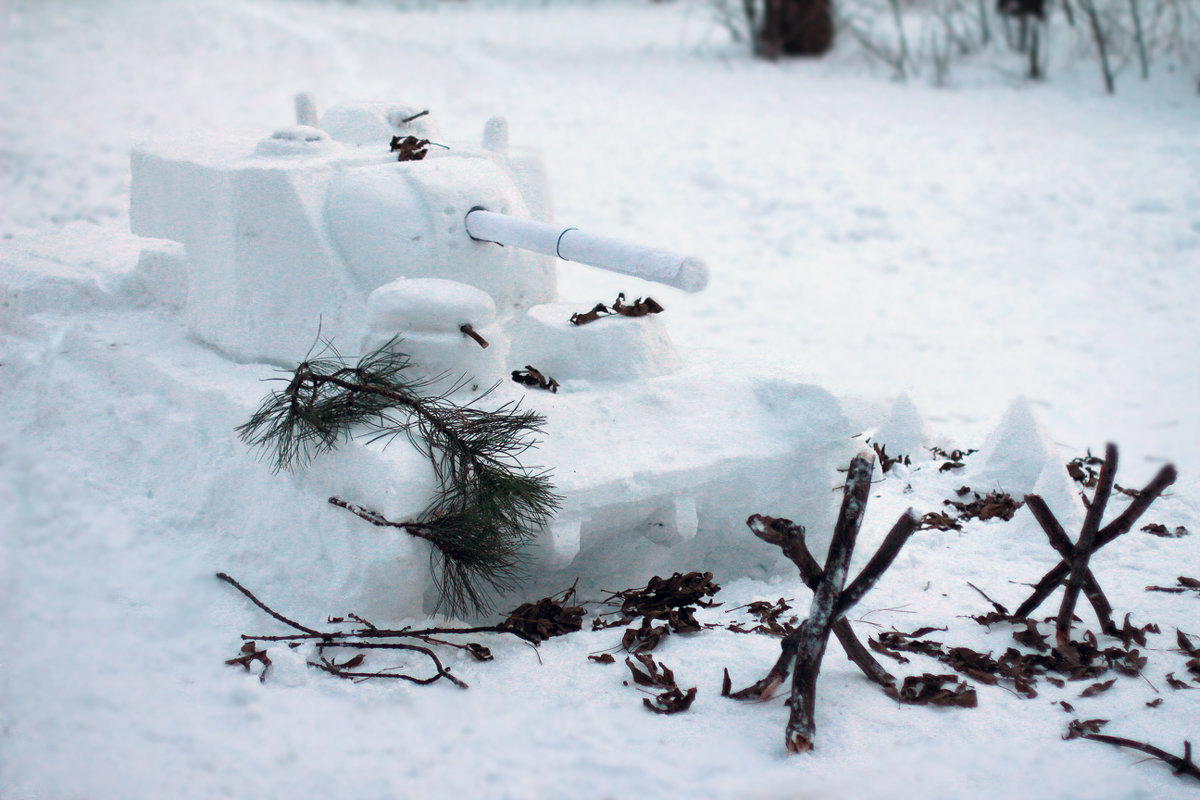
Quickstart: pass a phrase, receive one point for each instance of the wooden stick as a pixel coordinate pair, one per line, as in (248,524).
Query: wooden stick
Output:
(1125,521)
(250,596)
(468,330)
(383,633)
(1100,604)
(883,558)
(1086,544)
(813,633)
(1058,537)
(862,657)
(1182,765)
(761,690)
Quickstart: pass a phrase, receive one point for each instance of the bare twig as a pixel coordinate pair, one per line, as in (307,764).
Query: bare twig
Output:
(469,330)
(442,672)
(999,608)
(1183,765)
(1093,15)
(250,596)
(367,638)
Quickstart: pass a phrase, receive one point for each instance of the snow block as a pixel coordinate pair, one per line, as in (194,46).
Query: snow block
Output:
(650,484)
(613,348)
(654,488)
(79,267)
(368,124)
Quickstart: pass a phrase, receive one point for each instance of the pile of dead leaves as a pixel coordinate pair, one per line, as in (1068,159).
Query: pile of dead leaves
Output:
(410,148)
(886,462)
(1077,728)
(955,459)
(550,616)
(671,602)
(638,308)
(1085,470)
(1082,660)
(1193,652)
(932,690)
(662,607)
(674,600)
(1160,530)
(768,615)
(993,505)
(250,654)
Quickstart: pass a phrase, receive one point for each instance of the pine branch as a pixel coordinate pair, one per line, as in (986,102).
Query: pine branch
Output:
(487,506)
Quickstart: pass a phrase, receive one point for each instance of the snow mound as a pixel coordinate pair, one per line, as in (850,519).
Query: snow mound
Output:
(1020,457)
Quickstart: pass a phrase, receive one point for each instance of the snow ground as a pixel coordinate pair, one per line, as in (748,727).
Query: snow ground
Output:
(962,247)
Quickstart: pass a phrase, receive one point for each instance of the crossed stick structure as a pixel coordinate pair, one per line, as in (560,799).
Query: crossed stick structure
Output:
(804,648)
(1074,569)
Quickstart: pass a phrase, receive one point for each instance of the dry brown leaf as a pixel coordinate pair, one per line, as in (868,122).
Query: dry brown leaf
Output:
(671,701)
(1097,688)
(409,148)
(1158,529)
(1077,727)
(930,689)
(1175,683)
(532,377)
(639,308)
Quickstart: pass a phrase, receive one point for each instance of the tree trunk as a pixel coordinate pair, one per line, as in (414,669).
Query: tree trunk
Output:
(796,28)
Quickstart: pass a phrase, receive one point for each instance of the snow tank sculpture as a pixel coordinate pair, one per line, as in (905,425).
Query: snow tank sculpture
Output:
(320,223)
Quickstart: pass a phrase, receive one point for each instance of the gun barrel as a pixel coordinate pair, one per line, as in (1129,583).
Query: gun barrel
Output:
(571,244)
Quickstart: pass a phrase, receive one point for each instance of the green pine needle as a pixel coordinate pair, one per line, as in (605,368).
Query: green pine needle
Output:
(488,507)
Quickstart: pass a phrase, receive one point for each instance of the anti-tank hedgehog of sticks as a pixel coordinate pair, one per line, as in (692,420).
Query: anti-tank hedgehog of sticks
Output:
(804,648)
(1074,571)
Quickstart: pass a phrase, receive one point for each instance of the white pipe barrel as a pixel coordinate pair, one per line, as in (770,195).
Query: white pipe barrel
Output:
(571,244)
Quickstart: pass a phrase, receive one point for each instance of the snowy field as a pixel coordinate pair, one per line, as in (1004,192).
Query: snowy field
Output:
(962,247)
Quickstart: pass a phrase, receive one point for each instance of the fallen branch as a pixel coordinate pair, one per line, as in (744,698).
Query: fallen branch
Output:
(249,595)
(368,637)
(1183,765)
(442,672)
